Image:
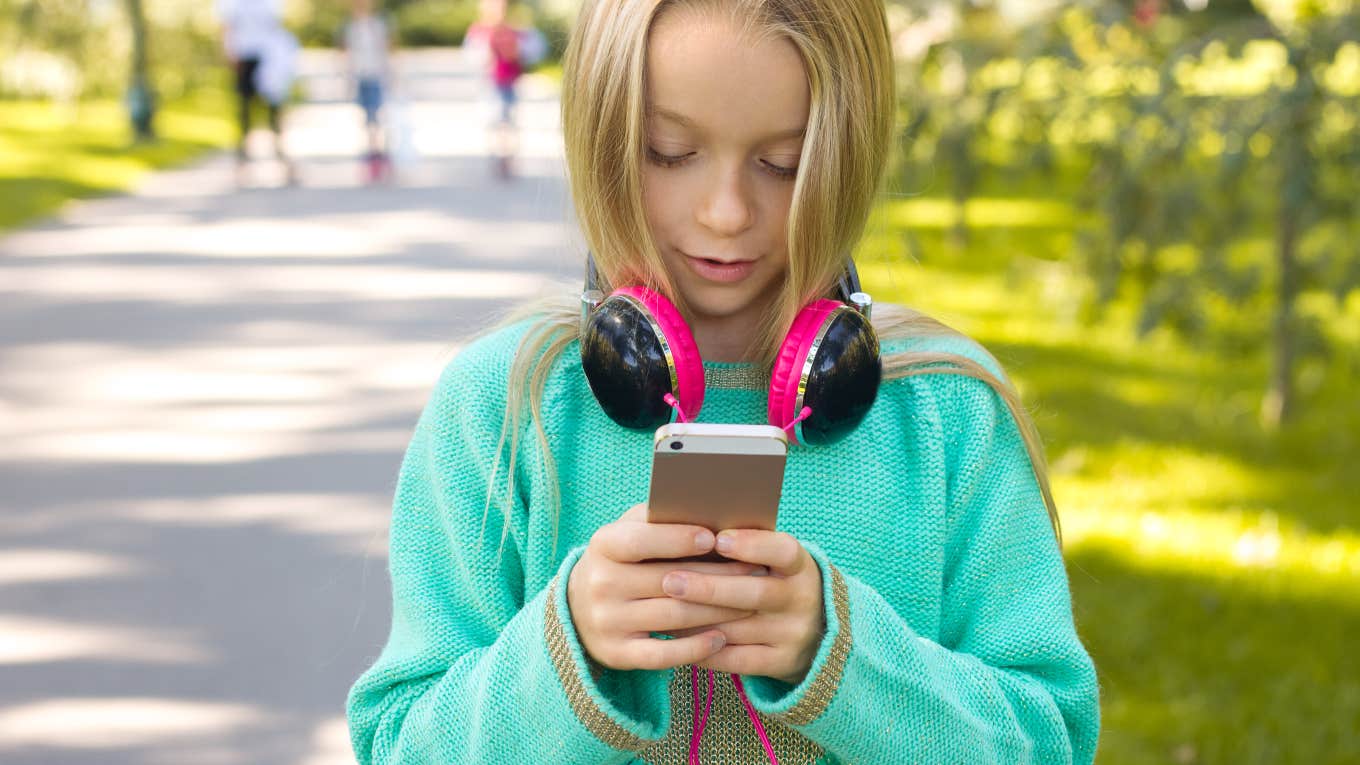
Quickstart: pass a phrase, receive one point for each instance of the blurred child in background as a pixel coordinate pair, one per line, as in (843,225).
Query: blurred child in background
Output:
(251,31)
(367,41)
(510,50)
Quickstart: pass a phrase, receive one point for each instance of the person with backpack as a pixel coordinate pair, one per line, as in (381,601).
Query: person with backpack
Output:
(510,50)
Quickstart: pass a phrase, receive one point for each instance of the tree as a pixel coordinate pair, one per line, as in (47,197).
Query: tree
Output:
(141,98)
(1238,139)
(1223,167)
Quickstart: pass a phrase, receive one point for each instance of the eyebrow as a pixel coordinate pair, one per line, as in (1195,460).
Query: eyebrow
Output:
(678,118)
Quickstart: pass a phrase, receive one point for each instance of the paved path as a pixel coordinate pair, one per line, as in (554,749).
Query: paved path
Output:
(204,397)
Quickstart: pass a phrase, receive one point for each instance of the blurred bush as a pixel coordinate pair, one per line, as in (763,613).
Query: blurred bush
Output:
(434,22)
(1216,140)
(73,49)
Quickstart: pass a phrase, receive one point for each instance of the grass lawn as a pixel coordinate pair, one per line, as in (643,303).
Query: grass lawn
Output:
(1215,567)
(50,153)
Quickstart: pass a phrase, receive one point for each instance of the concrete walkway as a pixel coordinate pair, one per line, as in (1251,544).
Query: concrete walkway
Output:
(205,392)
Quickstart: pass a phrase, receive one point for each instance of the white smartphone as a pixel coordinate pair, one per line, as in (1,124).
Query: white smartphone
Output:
(718,476)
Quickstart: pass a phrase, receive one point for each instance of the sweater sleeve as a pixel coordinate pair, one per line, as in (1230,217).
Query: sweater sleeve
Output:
(1008,679)
(476,670)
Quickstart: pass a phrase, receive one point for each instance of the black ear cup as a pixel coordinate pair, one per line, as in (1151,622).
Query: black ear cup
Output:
(843,381)
(626,365)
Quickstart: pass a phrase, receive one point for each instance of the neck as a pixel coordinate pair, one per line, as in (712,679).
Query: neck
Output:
(728,338)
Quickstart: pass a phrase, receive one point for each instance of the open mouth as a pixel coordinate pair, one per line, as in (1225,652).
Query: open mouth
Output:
(720,271)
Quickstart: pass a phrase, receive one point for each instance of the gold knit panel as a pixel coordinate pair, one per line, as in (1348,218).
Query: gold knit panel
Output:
(828,680)
(587,711)
(740,378)
(729,737)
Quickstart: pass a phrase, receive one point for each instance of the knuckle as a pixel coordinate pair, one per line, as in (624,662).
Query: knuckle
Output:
(789,551)
(650,654)
(609,655)
(595,583)
(600,540)
(765,594)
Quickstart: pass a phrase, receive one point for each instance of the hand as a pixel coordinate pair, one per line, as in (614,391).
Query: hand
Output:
(616,601)
(781,637)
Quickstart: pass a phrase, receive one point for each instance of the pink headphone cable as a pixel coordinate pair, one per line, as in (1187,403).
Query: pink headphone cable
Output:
(699,723)
(675,404)
(803,415)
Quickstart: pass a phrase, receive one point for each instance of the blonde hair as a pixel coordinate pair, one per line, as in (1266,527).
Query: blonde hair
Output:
(847,56)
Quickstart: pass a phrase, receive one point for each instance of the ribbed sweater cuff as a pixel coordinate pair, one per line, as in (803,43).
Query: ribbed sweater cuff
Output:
(805,702)
(625,709)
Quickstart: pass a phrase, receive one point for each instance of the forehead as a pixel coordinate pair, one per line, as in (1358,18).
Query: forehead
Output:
(705,74)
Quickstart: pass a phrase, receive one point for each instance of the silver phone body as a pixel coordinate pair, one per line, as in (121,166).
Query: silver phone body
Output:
(720,476)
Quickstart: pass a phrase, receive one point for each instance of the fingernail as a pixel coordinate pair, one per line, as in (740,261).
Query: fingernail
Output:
(718,641)
(724,543)
(704,540)
(673,585)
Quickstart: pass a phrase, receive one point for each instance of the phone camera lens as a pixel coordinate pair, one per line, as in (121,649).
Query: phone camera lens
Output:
(677,445)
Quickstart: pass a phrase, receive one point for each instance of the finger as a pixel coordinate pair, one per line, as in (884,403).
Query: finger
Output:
(643,580)
(726,568)
(650,653)
(748,593)
(760,629)
(665,614)
(756,629)
(782,553)
(630,542)
(745,660)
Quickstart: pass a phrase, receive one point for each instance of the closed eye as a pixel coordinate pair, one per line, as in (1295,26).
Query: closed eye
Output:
(666,160)
(674,160)
(779,170)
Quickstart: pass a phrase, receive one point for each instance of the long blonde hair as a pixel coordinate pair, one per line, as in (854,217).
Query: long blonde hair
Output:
(847,55)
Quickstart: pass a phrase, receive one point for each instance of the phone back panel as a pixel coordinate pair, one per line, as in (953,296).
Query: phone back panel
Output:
(720,491)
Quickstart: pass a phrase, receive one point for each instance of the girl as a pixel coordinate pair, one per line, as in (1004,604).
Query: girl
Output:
(913,607)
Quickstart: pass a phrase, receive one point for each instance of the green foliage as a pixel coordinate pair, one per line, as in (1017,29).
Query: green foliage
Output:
(61,47)
(1213,564)
(1184,123)
(71,49)
(435,22)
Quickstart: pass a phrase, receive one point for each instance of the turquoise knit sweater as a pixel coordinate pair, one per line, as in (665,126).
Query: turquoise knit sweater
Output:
(949,634)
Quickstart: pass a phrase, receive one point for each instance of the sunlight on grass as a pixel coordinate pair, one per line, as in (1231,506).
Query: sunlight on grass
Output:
(1215,567)
(50,153)
(1150,526)
(980,212)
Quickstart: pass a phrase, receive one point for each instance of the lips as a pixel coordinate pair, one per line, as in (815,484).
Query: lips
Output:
(721,271)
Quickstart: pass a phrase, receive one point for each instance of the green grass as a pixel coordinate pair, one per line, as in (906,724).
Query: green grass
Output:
(1215,566)
(51,153)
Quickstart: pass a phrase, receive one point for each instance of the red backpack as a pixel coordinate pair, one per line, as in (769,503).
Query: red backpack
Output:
(505,43)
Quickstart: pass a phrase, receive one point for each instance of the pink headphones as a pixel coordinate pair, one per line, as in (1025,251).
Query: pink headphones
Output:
(644,368)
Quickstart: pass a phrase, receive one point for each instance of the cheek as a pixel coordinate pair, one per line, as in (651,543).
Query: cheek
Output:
(662,201)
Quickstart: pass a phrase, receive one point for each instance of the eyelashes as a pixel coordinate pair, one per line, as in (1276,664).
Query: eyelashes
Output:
(667,160)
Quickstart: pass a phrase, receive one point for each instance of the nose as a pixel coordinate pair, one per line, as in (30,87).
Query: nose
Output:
(726,208)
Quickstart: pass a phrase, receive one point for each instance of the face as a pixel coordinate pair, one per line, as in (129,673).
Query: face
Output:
(725,123)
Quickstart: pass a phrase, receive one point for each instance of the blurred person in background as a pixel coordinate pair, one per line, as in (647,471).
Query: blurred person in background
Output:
(509,51)
(367,41)
(251,31)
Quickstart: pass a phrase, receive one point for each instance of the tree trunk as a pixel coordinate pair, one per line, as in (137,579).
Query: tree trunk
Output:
(1279,398)
(141,101)
(1297,192)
